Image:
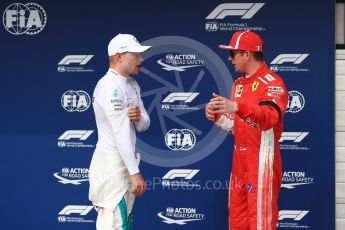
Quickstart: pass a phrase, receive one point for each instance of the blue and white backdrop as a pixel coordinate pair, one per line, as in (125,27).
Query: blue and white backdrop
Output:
(54,52)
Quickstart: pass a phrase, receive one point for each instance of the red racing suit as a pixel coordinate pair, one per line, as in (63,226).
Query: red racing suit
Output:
(256,168)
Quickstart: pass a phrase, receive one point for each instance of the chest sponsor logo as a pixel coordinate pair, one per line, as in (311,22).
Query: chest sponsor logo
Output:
(275,89)
(238,90)
(251,123)
(269,77)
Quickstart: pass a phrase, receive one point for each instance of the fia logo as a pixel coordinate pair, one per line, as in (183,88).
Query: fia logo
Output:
(212,26)
(73,101)
(29,18)
(296,102)
(180,139)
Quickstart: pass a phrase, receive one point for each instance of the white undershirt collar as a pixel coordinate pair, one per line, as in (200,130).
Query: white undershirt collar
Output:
(119,76)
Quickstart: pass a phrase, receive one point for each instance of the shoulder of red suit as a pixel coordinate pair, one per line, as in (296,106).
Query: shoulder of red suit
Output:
(270,77)
(265,78)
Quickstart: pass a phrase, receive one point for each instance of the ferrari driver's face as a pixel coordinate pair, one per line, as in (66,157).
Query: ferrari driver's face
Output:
(238,59)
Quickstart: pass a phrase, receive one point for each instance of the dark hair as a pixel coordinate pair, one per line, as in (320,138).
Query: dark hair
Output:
(258,56)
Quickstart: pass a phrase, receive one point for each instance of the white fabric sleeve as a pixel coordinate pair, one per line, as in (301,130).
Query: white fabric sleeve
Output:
(225,123)
(144,122)
(115,108)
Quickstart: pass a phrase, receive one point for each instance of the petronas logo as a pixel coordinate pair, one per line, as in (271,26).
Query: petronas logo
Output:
(116,93)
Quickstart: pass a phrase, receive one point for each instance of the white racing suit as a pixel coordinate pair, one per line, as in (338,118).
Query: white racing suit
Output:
(114,161)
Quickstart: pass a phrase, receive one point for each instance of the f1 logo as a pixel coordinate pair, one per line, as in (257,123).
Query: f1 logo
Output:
(76,209)
(78,134)
(79,59)
(293,136)
(186,97)
(246,10)
(183,173)
(292,214)
(294,58)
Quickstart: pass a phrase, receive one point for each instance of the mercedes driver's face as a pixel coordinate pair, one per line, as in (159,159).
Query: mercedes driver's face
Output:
(131,62)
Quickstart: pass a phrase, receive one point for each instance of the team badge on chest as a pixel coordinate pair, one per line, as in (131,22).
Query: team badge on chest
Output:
(255,86)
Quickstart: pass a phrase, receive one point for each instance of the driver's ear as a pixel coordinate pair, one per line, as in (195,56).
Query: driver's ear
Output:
(248,54)
(118,57)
